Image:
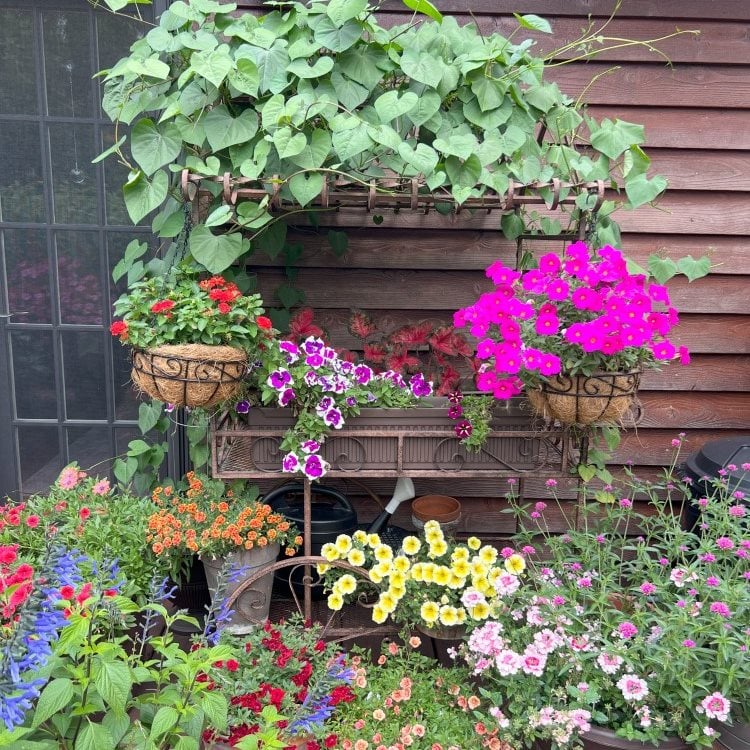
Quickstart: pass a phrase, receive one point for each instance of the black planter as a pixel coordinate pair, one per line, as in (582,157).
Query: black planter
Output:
(708,461)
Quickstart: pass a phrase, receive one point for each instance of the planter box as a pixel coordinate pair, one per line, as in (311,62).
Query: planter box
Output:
(417,442)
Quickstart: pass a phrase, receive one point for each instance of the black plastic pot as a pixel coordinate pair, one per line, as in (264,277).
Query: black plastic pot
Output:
(332,514)
(708,461)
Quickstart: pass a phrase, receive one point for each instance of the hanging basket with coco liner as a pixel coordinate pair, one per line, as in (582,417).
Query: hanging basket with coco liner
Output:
(584,400)
(189,374)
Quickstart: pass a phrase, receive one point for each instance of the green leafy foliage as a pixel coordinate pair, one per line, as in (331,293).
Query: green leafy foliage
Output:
(323,92)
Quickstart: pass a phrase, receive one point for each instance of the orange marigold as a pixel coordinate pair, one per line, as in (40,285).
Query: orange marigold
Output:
(223,507)
(298,539)
(262,542)
(158,548)
(249,544)
(289,551)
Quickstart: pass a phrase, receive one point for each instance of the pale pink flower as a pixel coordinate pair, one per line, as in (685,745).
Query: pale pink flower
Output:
(633,688)
(716,706)
(609,663)
(101,487)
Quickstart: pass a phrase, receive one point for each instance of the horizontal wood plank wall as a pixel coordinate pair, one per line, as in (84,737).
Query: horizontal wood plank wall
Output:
(697,118)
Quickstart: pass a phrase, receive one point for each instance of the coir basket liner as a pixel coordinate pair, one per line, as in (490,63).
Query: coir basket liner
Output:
(601,397)
(189,374)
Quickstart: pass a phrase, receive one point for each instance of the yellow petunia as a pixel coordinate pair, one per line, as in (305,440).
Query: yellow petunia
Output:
(483,586)
(488,554)
(322,568)
(373,540)
(397,591)
(515,564)
(347,584)
(343,544)
(432,525)
(397,579)
(480,611)
(428,572)
(401,563)
(375,576)
(478,568)
(456,582)
(474,543)
(329,551)
(417,572)
(388,602)
(433,536)
(460,553)
(360,536)
(356,557)
(448,615)
(335,602)
(379,615)
(384,568)
(429,612)
(438,548)
(461,568)
(461,615)
(383,553)
(411,545)
(441,575)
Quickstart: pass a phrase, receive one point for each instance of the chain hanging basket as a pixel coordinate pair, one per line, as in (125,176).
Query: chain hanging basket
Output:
(189,374)
(583,400)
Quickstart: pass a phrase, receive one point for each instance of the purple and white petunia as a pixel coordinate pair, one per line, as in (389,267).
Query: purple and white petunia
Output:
(334,418)
(287,396)
(290,463)
(363,374)
(314,466)
(324,405)
(312,345)
(310,446)
(279,379)
(291,350)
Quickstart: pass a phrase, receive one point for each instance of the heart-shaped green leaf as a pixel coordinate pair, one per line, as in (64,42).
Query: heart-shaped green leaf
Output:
(490,93)
(288,143)
(301,69)
(640,189)
(153,146)
(245,77)
(390,105)
(315,152)
(252,168)
(694,269)
(219,216)
(223,130)
(341,11)
(216,252)
(348,92)
(422,67)
(462,145)
(463,173)
(143,196)
(306,187)
(614,138)
(423,158)
(213,64)
(337,38)
(662,269)
(351,142)
(427,105)
(385,135)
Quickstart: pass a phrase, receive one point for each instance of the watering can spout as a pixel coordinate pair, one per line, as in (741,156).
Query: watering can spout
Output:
(404,491)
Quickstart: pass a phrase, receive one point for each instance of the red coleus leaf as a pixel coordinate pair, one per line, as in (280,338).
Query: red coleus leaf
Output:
(301,325)
(374,353)
(461,345)
(400,360)
(414,335)
(442,341)
(449,380)
(361,325)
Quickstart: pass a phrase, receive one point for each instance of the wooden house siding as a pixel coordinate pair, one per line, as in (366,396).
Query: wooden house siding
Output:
(697,118)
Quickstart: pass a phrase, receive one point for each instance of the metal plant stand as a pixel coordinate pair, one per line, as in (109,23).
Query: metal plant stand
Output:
(418,443)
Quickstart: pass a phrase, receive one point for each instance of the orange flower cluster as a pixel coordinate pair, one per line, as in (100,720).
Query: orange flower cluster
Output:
(209,519)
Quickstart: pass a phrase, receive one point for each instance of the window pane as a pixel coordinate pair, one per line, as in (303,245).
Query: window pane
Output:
(126,398)
(79,277)
(91,448)
(83,368)
(115,176)
(21,186)
(67,63)
(34,374)
(73,175)
(27,269)
(41,461)
(18,63)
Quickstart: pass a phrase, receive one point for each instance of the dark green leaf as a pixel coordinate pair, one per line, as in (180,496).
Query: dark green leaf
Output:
(512,225)
(423,158)
(463,173)
(138,447)
(428,104)
(289,296)
(148,415)
(339,242)
(490,94)
(94,737)
(271,64)
(271,239)
(199,454)
(390,105)
(166,719)
(349,93)
(302,69)
(288,143)
(214,705)
(124,471)
(111,150)
(422,67)
(314,154)
(219,216)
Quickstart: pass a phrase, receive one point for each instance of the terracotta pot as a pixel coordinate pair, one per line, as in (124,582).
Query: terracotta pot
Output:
(601,397)
(189,374)
(601,738)
(441,508)
(735,737)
